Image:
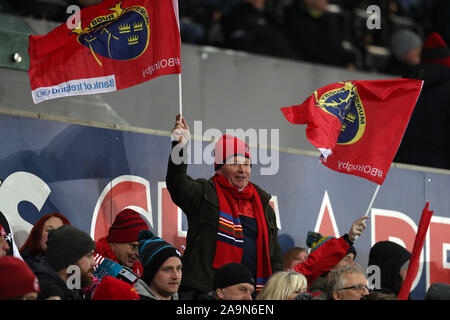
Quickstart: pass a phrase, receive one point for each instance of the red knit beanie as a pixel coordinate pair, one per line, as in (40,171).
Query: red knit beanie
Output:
(111,288)
(435,50)
(16,278)
(126,227)
(227,147)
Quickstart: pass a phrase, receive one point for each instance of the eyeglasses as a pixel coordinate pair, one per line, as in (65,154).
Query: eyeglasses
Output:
(358,287)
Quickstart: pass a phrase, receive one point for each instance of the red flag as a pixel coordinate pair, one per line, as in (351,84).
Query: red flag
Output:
(358,125)
(415,255)
(118,44)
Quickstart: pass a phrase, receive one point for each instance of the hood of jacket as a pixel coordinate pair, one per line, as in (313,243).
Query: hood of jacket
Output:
(144,291)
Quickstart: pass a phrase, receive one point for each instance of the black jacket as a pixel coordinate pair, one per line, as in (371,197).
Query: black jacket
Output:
(50,283)
(198,199)
(427,138)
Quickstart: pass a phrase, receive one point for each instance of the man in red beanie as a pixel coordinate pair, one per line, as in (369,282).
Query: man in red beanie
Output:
(121,244)
(230,219)
(17,281)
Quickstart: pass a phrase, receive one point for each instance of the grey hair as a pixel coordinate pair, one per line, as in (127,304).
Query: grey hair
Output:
(337,280)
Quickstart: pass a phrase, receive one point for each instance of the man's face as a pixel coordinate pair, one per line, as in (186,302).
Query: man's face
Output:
(237,171)
(240,291)
(412,57)
(126,253)
(300,258)
(86,265)
(51,224)
(167,279)
(258,4)
(350,280)
(346,261)
(4,247)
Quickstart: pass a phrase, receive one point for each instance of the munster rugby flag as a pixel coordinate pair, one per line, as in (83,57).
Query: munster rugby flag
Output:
(358,125)
(117,44)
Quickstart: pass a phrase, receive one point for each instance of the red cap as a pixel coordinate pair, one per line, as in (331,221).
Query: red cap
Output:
(2,231)
(16,278)
(126,227)
(435,50)
(227,147)
(111,288)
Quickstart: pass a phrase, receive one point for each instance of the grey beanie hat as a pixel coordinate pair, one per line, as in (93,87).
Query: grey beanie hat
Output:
(404,40)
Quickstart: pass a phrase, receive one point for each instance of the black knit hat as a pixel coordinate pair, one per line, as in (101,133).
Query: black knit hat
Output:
(153,252)
(66,245)
(390,257)
(438,291)
(231,274)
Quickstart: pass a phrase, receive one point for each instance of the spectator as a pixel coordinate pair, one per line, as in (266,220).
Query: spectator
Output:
(17,281)
(232,281)
(4,247)
(376,295)
(121,244)
(35,246)
(314,33)
(327,254)
(406,47)
(9,237)
(438,291)
(393,261)
(162,268)
(348,283)
(228,195)
(440,18)
(294,256)
(111,288)
(247,28)
(424,144)
(67,246)
(283,285)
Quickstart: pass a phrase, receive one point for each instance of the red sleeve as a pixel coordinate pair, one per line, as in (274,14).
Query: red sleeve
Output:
(323,259)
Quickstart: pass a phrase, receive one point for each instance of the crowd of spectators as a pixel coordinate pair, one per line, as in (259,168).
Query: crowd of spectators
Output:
(331,32)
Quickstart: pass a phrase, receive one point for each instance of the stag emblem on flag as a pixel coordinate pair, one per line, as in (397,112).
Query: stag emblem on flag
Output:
(345,104)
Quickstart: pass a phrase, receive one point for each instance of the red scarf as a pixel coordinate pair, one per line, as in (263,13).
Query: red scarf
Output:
(230,237)
(102,247)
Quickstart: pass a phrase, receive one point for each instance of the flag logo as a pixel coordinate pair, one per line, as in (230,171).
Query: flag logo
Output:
(121,35)
(345,104)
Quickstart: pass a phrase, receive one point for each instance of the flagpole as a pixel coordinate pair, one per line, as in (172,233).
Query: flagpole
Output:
(371,203)
(180,96)
(372,200)
(180,91)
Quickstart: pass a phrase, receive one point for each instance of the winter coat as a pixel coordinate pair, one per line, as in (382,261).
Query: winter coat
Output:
(427,138)
(324,258)
(314,38)
(51,284)
(247,28)
(145,293)
(198,199)
(318,289)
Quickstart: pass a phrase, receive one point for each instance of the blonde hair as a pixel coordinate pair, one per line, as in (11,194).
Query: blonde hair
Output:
(281,285)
